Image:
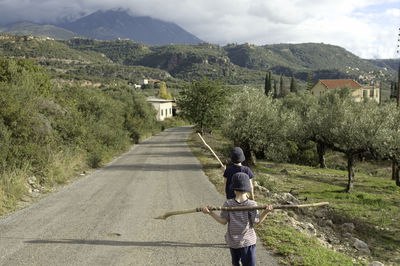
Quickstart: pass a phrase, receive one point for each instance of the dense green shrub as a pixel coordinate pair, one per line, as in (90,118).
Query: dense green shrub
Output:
(52,132)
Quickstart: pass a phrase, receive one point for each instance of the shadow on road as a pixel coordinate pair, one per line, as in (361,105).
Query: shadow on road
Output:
(124,243)
(155,167)
(162,154)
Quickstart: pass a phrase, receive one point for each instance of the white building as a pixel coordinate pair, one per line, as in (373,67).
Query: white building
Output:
(163,107)
(143,81)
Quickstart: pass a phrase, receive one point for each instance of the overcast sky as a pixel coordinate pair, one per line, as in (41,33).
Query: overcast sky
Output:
(367,28)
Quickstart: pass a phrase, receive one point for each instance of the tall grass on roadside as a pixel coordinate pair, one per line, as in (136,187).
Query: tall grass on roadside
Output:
(13,185)
(62,167)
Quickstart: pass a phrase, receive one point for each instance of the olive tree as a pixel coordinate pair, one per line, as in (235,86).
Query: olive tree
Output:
(302,133)
(388,145)
(256,123)
(347,126)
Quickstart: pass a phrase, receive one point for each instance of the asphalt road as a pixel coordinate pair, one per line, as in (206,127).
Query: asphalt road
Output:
(107,218)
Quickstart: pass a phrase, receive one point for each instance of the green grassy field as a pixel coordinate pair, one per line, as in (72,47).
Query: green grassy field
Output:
(373,207)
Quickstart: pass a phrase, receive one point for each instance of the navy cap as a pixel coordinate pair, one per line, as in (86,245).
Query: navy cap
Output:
(241,182)
(237,155)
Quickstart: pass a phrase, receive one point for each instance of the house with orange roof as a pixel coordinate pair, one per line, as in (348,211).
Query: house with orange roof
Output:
(359,92)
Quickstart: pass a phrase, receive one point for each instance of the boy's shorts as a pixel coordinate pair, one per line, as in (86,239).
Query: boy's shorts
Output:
(246,255)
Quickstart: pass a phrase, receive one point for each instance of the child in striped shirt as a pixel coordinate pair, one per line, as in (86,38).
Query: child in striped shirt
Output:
(240,236)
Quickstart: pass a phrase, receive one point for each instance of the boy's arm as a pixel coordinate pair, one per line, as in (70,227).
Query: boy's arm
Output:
(216,217)
(252,190)
(263,215)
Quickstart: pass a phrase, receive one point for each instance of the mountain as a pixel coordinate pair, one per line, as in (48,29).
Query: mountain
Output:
(243,63)
(386,63)
(28,28)
(95,60)
(114,24)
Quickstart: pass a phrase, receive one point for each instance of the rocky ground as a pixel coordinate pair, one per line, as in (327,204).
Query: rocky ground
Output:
(331,231)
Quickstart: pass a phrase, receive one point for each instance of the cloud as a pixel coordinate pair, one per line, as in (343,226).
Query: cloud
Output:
(367,28)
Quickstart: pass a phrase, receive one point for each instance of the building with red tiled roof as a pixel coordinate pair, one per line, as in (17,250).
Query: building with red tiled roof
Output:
(359,91)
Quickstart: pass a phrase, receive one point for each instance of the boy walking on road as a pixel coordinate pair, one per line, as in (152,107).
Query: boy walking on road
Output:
(240,236)
(237,157)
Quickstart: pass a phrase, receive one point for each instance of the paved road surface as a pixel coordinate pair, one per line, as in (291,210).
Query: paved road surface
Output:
(107,218)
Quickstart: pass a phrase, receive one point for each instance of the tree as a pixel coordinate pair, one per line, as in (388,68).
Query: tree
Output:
(203,103)
(276,92)
(388,145)
(293,85)
(282,88)
(266,86)
(163,93)
(310,81)
(395,161)
(304,130)
(398,89)
(268,83)
(255,123)
(392,90)
(348,127)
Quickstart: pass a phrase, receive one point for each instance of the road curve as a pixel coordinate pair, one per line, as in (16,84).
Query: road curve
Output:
(107,218)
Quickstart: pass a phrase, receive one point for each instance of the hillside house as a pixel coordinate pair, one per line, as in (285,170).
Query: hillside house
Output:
(358,91)
(163,107)
(143,81)
(148,81)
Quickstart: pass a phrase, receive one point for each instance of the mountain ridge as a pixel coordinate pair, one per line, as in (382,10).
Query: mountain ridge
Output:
(235,64)
(109,25)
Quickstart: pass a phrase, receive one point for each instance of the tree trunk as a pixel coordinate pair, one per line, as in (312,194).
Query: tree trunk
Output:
(350,170)
(249,155)
(321,154)
(397,175)
(394,167)
(253,158)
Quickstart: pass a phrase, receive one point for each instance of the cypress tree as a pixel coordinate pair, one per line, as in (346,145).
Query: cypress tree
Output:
(275,90)
(267,84)
(398,85)
(293,85)
(270,80)
(392,90)
(282,88)
(310,82)
(396,91)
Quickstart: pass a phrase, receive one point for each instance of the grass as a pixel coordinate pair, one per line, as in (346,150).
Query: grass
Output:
(297,248)
(14,187)
(373,207)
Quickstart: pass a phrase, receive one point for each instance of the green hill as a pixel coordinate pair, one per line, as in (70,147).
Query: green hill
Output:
(236,64)
(45,49)
(326,61)
(243,63)
(391,64)
(28,28)
(121,52)
(182,61)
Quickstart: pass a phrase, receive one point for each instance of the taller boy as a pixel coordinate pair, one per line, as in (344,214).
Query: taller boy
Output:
(237,157)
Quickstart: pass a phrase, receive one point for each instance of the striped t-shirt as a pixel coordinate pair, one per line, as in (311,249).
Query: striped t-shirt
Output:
(240,224)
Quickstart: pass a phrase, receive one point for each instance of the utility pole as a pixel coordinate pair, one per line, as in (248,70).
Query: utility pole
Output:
(398,72)
(395,164)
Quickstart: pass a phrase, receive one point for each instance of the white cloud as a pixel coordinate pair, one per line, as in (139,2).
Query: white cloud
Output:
(367,28)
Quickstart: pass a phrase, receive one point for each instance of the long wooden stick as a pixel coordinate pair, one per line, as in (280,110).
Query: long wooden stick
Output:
(222,165)
(244,208)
